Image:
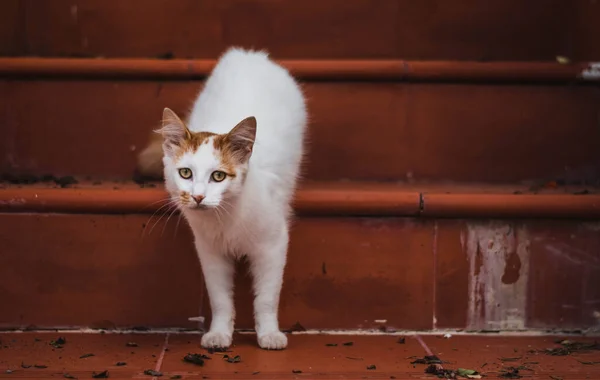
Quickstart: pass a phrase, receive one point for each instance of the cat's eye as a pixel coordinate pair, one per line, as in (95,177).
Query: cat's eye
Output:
(185,173)
(218,176)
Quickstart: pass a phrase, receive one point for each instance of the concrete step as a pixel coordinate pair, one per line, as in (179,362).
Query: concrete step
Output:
(370,120)
(361,257)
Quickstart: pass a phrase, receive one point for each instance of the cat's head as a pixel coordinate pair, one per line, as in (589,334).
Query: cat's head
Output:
(204,170)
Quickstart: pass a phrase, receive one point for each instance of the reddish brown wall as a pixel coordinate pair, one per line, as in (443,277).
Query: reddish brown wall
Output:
(342,273)
(408,29)
(366,131)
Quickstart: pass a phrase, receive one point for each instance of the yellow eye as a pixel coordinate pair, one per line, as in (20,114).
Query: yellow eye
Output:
(185,173)
(218,176)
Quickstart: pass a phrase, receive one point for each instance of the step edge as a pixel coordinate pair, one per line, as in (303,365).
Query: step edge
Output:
(314,201)
(511,205)
(177,69)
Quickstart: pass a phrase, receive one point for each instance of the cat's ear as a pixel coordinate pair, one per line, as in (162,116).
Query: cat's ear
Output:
(241,139)
(174,131)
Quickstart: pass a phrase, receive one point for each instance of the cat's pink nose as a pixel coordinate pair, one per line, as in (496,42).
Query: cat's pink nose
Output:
(198,198)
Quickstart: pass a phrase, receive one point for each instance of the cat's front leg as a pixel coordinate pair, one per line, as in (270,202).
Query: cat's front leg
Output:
(218,270)
(267,265)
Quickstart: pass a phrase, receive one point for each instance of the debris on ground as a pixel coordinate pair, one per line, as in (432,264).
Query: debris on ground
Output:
(567,347)
(131,344)
(447,336)
(66,181)
(297,327)
(100,375)
(212,350)
(23,365)
(40,366)
(174,377)
(348,343)
(446,373)
(468,373)
(353,358)
(69,376)
(86,356)
(371,367)
(229,359)
(440,372)
(296,371)
(151,372)
(26,179)
(197,359)
(120,364)
(331,345)
(401,340)
(58,343)
(427,359)
(510,359)
(510,373)
(588,363)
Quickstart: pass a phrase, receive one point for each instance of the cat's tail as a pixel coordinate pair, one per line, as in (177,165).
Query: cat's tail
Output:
(149,161)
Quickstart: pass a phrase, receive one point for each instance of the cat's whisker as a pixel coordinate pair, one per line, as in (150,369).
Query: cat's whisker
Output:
(175,209)
(155,202)
(153,214)
(166,208)
(159,219)
(177,225)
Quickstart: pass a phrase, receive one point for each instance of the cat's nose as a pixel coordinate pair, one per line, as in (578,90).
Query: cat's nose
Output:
(198,198)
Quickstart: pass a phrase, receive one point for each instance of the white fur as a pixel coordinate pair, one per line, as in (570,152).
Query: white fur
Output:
(248,214)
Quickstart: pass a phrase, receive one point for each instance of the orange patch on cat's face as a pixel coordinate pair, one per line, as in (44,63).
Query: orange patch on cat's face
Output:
(193,142)
(220,143)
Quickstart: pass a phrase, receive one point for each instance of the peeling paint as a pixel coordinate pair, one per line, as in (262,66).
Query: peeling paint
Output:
(498,257)
(592,72)
(572,255)
(12,202)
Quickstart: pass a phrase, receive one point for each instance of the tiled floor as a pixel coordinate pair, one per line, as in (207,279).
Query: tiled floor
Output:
(308,356)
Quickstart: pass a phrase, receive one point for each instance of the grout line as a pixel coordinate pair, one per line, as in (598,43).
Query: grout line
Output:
(162,356)
(435,274)
(424,345)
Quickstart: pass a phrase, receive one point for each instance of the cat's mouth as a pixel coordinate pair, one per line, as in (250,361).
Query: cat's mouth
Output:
(199,207)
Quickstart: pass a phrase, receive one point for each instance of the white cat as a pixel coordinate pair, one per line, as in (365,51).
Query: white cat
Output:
(233,171)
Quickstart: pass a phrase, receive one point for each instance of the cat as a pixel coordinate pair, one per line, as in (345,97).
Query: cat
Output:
(232,170)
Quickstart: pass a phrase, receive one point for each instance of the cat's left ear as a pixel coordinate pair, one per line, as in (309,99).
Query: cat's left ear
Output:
(174,131)
(241,138)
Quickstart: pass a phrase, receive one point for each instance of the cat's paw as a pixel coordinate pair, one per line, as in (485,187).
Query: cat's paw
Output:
(216,339)
(275,340)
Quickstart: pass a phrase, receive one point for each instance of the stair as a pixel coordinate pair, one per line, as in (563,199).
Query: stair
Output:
(452,180)
(450,201)
(309,356)
(355,247)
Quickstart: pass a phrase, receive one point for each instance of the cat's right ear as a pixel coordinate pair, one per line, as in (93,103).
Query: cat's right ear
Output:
(174,131)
